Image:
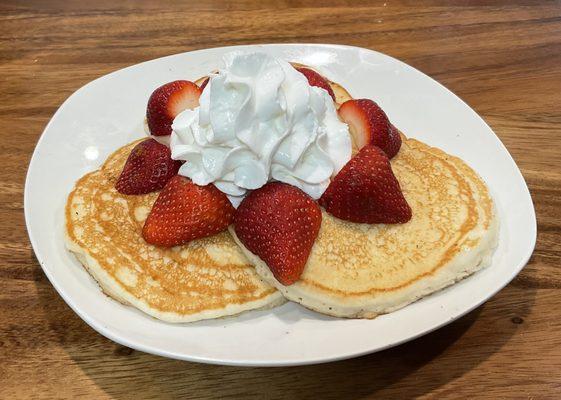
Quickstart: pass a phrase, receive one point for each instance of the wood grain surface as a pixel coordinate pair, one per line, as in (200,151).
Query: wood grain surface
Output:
(504,59)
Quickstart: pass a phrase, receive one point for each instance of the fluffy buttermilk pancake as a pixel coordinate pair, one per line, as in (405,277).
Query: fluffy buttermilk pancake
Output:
(360,270)
(207,278)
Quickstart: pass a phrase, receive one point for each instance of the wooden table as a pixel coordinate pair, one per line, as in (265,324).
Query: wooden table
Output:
(504,60)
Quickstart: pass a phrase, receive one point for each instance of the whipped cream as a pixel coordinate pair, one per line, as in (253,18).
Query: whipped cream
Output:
(258,121)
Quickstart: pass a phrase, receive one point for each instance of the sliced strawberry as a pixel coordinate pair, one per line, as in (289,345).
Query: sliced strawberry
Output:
(184,211)
(167,101)
(315,79)
(394,142)
(369,124)
(148,168)
(279,223)
(367,191)
(204,83)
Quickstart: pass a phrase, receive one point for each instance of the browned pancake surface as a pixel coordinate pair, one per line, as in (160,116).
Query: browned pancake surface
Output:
(203,276)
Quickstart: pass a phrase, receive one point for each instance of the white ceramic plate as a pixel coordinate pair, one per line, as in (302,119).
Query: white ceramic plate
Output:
(108,113)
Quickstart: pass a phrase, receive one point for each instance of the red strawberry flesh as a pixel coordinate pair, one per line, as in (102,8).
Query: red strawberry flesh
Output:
(279,223)
(367,191)
(394,142)
(148,168)
(315,79)
(185,211)
(167,101)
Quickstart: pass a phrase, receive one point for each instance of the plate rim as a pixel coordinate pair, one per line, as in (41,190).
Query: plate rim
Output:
(132,343)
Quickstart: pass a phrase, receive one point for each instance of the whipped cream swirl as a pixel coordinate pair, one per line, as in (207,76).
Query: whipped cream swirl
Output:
(259,120)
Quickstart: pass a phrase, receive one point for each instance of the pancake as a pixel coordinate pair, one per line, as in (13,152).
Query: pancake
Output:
(206,278)
(354,270)
(361,271)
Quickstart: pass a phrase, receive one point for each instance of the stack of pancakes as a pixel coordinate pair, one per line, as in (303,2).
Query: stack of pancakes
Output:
(354,270)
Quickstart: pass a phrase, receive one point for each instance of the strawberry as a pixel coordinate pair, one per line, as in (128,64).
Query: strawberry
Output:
(185,211)
(167,101)
(279,223)
(148,168)
(394,142)
(204,83)
(315,79)
(367,191)
(369,124)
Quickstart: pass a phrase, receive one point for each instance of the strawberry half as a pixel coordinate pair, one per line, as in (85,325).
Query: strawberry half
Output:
(367,191)
(279,223)
(394,142)
(369,124)
(204,83)
(315,79)
(148,168)
(185,211)
(167,101)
